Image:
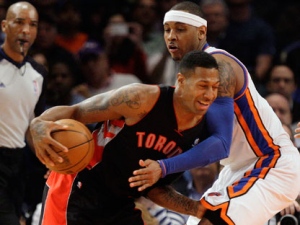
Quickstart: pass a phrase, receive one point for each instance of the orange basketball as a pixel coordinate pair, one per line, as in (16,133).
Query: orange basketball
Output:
(78,139)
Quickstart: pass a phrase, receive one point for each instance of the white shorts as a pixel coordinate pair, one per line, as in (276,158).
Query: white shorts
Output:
(246,199)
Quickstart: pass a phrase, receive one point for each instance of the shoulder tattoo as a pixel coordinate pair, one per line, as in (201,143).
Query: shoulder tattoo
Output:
(227,79)
(130,97)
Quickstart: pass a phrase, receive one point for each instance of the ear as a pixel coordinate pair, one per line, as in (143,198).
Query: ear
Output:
(202,32)
(3,25)
(180,79)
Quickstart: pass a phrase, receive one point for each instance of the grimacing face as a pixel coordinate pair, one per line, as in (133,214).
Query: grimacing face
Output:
(199,90)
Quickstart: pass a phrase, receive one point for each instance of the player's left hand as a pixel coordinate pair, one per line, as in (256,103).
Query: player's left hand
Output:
(147,176)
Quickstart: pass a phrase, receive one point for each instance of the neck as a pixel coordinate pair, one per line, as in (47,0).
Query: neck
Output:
(204,45)
(185,119)
(15,56)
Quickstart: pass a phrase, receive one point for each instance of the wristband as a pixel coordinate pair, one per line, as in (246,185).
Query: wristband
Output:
(163,168)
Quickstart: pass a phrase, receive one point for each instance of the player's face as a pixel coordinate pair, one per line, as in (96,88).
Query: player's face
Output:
(181,38)
(20,27)
(200,89)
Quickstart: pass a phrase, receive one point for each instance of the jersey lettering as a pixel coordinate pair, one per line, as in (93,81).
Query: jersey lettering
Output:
(158,143)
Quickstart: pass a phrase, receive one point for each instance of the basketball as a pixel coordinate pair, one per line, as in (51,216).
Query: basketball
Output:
(79,141)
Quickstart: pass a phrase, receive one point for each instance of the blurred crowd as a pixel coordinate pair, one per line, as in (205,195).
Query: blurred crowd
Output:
(92,46)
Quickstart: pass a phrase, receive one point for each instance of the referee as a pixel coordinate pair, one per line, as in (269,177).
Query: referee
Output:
(21,99)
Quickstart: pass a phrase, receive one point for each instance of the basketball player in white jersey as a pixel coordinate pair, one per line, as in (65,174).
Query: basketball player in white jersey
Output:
(261,170)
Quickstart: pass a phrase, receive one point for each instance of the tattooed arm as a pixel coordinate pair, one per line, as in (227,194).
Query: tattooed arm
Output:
(130,103)
(167,197)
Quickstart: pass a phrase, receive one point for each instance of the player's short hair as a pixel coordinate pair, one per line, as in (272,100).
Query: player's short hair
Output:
(197,58)
(189,7)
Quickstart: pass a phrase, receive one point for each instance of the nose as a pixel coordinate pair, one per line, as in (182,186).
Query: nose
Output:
(25,28)
(171,35)
(210,94)
(58,79)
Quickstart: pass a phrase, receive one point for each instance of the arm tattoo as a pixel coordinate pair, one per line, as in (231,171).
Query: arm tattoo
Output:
(177,202)
(38,132)
(130,97)
(227,79)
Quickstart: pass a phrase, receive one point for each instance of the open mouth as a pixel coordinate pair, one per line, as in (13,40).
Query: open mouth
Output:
(172,47)
(22,41)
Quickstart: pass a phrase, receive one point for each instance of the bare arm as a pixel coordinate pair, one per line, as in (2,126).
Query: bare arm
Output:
(167,197)
(130,102)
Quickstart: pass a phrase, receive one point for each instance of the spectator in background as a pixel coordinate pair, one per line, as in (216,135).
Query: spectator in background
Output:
(95,15)
(63,77)
(45,41)
(145,12)
(22,98)
(97,74)
(123,46)
(70,36)
(250,39)
(216,14)
(281,107)
(282,80)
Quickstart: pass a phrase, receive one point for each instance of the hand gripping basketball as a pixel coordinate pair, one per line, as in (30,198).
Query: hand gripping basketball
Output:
(79,141)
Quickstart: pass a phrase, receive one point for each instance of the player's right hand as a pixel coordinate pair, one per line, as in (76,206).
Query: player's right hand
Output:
(44,144)
(147,176)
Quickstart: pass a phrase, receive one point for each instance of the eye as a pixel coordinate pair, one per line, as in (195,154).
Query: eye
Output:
(34,24)
(19,22)
(202,85)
